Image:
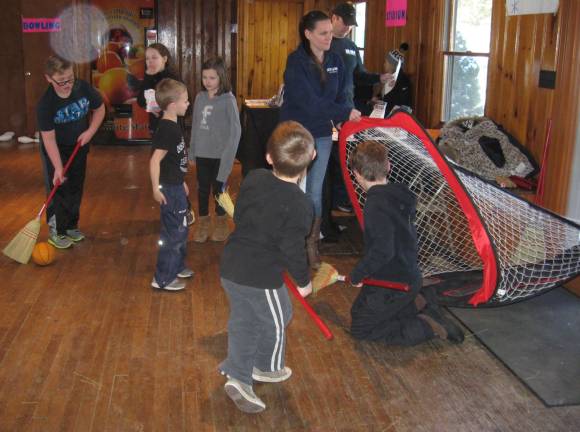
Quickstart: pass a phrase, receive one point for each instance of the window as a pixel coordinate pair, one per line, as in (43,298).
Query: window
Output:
(358,32)
(466,57)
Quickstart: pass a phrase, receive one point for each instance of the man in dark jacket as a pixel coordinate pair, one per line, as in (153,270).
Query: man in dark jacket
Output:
(391,254)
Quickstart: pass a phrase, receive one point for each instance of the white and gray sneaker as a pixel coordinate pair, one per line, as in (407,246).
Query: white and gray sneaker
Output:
(176,285)
(185,273)
(244,397)
(75,235)
(272,377)
(60,241)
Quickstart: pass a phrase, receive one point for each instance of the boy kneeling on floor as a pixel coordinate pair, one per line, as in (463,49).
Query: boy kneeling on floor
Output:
(391,254)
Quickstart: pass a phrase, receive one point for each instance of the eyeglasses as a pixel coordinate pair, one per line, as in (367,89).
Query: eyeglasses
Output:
(63,83)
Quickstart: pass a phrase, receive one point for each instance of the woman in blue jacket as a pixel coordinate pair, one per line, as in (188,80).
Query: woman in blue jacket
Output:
(315,96)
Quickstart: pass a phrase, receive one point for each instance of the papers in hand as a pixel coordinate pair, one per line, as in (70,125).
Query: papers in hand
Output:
(379,110)
(151,103)
(390,84)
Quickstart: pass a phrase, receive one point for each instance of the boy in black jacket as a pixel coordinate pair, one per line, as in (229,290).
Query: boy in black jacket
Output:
(394,317)
(273,217)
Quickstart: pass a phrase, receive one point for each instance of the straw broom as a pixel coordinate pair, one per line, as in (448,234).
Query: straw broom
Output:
(20,247)
(225,200)
(327,275)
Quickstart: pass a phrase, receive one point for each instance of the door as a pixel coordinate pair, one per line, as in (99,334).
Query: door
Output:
(13,109)
(35,50)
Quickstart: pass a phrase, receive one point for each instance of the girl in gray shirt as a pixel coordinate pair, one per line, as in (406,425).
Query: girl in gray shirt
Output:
(215,134)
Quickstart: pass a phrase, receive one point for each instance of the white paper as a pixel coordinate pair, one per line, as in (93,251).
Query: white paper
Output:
(379,110)
(527,7)
(390,85)
(151,104)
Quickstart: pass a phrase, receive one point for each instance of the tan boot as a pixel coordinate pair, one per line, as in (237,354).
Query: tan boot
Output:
(221,230)
(201,229)
(312,245)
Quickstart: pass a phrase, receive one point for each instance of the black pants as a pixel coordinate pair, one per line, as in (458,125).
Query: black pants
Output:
(389,316)
(63,212)
(207,171)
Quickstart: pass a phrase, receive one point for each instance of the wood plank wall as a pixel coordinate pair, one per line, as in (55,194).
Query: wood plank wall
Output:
(195,30)
(565,112)
(268,33)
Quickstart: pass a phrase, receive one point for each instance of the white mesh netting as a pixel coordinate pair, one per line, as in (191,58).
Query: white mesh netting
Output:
(532,249)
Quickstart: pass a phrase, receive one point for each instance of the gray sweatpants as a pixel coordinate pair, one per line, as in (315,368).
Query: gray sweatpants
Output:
(256,330)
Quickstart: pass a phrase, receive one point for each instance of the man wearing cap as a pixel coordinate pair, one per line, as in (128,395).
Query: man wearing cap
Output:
(343,18)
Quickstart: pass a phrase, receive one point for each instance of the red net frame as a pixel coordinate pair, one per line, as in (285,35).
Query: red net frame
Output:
(516,259)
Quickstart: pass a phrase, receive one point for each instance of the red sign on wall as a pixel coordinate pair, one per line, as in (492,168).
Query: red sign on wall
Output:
(396,13)
(40,25)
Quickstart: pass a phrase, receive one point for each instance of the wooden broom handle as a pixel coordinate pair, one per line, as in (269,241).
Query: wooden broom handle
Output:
(64,170)
(292,286)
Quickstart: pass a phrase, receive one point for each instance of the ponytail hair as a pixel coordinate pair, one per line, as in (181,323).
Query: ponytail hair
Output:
(308,22)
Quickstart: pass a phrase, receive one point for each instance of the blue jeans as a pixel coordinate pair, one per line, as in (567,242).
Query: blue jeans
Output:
(317,171)
(173,237)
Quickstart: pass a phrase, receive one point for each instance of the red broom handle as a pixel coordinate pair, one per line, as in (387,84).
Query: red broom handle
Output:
(542,179)
(292,286)
(386,284)
(64,170)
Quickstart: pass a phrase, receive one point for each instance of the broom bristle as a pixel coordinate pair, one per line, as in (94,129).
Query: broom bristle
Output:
(21,246)
(225,200)
(326,275)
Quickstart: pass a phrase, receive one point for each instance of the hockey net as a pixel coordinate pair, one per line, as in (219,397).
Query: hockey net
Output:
(466,225)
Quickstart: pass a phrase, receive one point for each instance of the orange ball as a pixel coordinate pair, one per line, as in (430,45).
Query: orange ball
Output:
(43,254)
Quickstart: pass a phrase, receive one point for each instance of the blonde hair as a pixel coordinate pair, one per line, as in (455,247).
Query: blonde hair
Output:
(168,91)
(291,148)
(56,64)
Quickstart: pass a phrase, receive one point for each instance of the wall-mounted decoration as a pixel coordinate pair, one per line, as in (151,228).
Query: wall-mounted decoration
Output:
(528,7)
(396,13)
(40,25)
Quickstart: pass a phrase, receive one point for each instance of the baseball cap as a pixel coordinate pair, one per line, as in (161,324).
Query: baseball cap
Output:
(347,12)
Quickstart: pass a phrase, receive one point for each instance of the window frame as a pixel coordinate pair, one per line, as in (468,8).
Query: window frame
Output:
(361,49)
(448,56)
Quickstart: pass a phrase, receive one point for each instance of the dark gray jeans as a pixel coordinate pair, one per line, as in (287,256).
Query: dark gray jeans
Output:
(256,330)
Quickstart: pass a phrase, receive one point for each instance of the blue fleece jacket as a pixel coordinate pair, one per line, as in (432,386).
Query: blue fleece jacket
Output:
(309,101)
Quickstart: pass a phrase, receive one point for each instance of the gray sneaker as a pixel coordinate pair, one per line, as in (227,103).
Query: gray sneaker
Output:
(272,377)
(244,397)
(60,241)
(185,273)
(75,235)
(176,285)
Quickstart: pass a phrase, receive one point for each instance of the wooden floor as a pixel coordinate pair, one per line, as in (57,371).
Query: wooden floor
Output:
(87,345)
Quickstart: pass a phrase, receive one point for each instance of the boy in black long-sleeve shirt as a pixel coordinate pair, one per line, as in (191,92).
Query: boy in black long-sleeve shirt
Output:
(390,253)
(273,217)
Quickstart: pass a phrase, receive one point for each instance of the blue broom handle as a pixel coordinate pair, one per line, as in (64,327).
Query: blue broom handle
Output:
(57,184)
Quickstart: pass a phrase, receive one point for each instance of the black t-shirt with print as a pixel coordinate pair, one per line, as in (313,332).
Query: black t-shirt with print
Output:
(68,117)
(169,137)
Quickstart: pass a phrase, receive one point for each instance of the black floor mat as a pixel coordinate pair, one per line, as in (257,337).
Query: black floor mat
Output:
(537,339)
